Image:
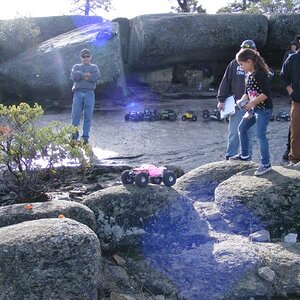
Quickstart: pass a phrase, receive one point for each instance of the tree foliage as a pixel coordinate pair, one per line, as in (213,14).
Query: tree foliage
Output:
(188,6)
(16,36)
(30,154)
(88,7)
(267,7)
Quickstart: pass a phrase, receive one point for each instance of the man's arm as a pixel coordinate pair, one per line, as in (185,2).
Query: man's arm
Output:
(95,74)
(76,74)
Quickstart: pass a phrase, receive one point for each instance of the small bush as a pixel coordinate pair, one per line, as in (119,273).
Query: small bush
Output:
(30,154)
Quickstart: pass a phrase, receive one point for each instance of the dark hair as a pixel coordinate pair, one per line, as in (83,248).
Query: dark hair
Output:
(258,61)
(294,43)
(297,38)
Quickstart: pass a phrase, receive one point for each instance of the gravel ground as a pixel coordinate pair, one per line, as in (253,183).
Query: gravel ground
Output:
(187,144)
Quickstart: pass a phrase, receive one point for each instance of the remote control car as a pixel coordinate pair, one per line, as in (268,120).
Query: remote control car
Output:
(215,115)
(150,115)
(134,116)
(168,114)
(283,116)
(189,115)
(146,115)
(148,173)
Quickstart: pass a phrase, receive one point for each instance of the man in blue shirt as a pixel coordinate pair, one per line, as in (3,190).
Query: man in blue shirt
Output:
(85,76)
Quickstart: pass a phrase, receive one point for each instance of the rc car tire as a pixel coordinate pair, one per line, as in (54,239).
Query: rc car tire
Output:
(172,117)
(278,118)
(126,178)
(141,179)
(288,118)
(169,178)
(127,117)
(183,118)
(206,114)
(156,180)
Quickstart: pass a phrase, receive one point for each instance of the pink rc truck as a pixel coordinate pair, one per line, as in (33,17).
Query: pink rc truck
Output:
(142,175)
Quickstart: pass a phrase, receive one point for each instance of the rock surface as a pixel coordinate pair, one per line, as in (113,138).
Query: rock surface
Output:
(199,37)
(251,203)
(14,214)
(49,259)
(44,70)
(162,218)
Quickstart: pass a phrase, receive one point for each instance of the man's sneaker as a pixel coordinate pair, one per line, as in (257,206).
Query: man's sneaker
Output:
(240,157)
(85,141)
(263,169)
(285,155)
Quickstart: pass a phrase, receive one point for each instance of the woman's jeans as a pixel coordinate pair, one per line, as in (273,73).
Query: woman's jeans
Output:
(83,102)
(261,119)
(233,141)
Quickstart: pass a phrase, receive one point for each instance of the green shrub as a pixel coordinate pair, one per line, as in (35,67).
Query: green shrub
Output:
(30,154)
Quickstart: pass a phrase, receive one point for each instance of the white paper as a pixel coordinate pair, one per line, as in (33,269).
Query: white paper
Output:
(229,107)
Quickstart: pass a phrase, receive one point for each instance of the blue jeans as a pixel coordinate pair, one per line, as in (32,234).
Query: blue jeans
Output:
(83,102)
(233,141)
(261,118)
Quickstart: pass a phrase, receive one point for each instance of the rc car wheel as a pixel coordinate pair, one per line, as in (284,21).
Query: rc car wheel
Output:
(288,118)
(172,117)
(169,178)
(183,118)
(278,118)
(127,178)
(141,179)
(206,114)
(156,180)
(127,117)
(194,118)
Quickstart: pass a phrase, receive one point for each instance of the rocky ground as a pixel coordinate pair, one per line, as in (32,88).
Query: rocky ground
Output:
(186,144)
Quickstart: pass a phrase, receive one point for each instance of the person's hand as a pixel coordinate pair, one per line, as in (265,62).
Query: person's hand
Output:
(220,106)
(248,106)
(86,76)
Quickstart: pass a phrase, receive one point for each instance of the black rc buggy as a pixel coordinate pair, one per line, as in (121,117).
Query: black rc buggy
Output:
(168,114)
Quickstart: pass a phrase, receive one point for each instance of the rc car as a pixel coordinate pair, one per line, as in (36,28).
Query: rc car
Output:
(146,115)
(168,114)
(282,116)
(189,115)
(215,115)
(148,173)
(134,116)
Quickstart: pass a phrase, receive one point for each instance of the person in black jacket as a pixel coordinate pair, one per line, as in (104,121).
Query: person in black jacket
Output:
(293,48)
(233,84)
(290,74)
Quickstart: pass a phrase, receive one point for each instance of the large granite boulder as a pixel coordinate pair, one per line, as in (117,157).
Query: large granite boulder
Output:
(17,213)
(46,28)
(283,29)
(149,218)
(271,202)
(161,40)
(42,73)
(49,259)
(200,183)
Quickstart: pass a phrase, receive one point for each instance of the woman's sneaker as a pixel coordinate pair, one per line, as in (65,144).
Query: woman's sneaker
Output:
(240,157)
(263,169)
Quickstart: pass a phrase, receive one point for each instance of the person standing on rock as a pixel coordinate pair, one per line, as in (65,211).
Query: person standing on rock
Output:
(290,74)
(258,106)
(233,84)
(293,47)
(85,77)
